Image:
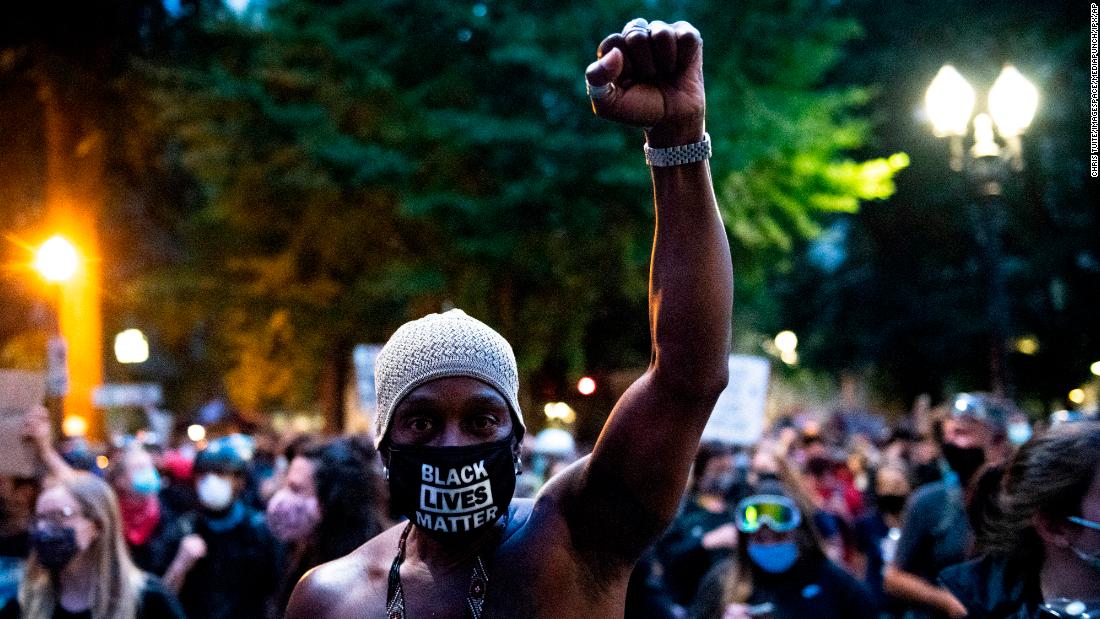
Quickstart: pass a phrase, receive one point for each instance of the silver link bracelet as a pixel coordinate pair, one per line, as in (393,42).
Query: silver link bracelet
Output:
(678,155)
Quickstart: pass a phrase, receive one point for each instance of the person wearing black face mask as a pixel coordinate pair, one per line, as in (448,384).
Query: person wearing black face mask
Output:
(702,534)
(79,567)
(877,532)
(449,419)
(937,531)
(1042,543)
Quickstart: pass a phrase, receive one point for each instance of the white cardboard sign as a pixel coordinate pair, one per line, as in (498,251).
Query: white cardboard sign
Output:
(19,392)
(738,416)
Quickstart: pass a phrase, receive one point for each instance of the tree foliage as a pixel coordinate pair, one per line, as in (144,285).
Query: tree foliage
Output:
(359,163)
(900,290)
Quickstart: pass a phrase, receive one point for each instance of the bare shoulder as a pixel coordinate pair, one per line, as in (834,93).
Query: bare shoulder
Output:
(352,586)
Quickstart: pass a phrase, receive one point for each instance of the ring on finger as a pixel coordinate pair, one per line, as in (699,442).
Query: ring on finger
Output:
(599,92)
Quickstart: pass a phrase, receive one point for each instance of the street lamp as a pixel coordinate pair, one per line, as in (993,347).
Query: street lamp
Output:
(56,259)
(131,346)
(996,150)
(787,344)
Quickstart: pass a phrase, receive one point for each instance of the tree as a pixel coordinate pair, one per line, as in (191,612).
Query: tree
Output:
(904,295)
(361,163)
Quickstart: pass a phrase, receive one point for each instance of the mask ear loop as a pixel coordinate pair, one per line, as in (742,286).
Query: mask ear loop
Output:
(518,463)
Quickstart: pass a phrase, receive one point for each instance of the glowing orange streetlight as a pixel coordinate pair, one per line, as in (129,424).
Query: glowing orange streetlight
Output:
(57,259)
(58,262)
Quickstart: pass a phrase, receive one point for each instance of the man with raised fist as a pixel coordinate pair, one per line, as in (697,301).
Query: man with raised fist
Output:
(449,422)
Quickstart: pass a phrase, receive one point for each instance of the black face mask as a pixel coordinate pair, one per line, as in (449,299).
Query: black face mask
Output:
(450,492)
(891,503)
(55,547)
(926,473)
(964,460)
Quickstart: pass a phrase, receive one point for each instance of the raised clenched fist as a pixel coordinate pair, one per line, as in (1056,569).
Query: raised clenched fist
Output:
(651,75)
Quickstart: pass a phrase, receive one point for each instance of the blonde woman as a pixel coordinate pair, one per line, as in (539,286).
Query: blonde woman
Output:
(79,567)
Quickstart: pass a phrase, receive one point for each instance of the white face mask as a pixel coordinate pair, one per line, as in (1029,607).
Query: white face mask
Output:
(1019,433)
(215,492)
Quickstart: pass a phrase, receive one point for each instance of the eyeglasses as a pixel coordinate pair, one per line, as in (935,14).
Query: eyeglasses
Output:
(779,513)
(54,518)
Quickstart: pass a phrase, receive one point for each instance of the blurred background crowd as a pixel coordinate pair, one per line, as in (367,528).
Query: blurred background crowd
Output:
(981,513)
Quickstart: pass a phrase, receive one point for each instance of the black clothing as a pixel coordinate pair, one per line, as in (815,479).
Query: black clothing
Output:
(681,551)
(16,545)
(812,588)
(872,538)
(935,533)
(237,577)
(646,594)
(156,603)
(13,554)
(179,497)
(995,588)
(156,554)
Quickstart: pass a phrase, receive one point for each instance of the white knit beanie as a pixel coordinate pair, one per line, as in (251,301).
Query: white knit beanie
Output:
(438,345)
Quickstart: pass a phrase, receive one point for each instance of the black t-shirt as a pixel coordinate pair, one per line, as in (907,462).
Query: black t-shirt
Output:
(935,533)
(237,577)
(814,587)
(681,551)
(996,587)
(156,603)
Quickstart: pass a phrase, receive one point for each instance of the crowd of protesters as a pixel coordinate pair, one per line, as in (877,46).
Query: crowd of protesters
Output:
(975,518)
(205,530)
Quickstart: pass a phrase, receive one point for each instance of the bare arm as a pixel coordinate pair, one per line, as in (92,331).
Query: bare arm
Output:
(902,584)
(37,430)
(192,548)
(632,485)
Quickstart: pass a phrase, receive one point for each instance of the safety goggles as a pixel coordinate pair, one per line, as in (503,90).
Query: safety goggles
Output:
(779,513)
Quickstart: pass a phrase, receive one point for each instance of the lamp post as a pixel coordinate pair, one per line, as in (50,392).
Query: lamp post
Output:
(1011,105)
(57,261)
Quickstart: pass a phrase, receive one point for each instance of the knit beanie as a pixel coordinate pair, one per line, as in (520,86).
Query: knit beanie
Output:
(439,345)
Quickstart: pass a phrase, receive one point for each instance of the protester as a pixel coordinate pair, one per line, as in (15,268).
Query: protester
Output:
(876,534)
(151,530)
(779,568)
(17,497)
(449,424)
(177,492)
(703,533)
(936,532)
(1043,544)
(226,566)
(79,566)
(331,501)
